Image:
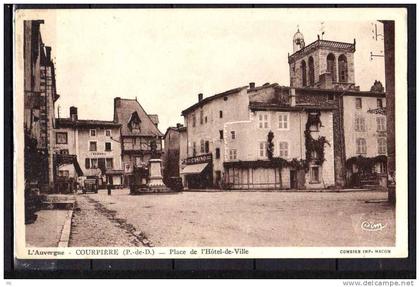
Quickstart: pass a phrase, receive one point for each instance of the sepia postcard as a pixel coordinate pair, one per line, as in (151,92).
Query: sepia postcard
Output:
(210,133)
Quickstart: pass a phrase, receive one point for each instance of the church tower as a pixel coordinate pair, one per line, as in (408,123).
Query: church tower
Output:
(322,64)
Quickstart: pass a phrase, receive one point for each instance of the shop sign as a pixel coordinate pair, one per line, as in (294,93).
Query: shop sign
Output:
(198,159)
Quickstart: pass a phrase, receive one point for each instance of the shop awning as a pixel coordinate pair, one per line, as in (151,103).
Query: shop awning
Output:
(62,159)
(114,172)
(194,168)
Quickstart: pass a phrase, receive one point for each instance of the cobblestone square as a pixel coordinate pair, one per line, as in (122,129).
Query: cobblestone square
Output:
(252,219)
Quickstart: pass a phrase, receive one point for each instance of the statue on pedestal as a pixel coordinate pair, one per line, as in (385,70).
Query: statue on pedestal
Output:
(155,170)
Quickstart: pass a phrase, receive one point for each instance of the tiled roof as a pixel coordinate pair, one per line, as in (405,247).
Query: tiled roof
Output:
(209,99)
(340,92)
(154,118)
(265,86)
(332,45)
(68,122)
(282,107)
(123,110)
(176,129)
(68,159)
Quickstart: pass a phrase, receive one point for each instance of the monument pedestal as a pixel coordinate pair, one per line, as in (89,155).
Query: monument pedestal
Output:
(155,176)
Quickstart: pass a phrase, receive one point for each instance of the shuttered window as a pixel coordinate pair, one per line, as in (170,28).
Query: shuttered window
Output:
(380,124)
(381,145)
(361,146)
(284,149)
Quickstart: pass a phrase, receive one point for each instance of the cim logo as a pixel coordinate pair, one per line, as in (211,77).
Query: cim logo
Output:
(371,226)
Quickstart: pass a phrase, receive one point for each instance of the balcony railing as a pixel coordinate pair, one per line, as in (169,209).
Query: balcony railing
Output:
(139,147)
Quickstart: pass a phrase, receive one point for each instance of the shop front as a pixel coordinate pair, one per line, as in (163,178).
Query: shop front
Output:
(115,178)
(275,174)
(197,172)
(367,171)
(66,173)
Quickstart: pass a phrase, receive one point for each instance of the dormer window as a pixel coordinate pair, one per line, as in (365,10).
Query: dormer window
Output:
(134,123)
(135,127)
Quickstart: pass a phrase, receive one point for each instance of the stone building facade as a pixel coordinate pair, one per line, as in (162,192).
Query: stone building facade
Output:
(40,95)
(140,135)
(365,135)
(250,165)
(228,146)
(325,69)
(94,144)
(205,136)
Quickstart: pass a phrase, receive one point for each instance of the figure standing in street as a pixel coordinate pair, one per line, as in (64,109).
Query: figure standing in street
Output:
(109,188)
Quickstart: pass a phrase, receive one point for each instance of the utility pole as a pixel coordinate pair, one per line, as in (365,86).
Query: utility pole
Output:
(376,36)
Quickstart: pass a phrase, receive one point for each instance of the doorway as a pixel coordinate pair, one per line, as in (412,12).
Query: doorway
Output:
(293,179)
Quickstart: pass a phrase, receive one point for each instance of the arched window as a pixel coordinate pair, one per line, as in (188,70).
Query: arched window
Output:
(342,69)
(311,71)
(303,68)
(331,67)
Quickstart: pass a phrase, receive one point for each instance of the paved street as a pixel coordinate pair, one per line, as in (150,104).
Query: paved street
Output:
(93,225)
(233,219)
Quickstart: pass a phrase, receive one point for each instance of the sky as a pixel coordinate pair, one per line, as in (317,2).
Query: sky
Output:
(164,58)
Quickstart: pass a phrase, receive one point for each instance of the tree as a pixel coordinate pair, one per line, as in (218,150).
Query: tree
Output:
(270,145)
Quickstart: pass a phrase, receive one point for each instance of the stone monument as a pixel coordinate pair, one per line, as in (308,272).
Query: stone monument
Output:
(155,171)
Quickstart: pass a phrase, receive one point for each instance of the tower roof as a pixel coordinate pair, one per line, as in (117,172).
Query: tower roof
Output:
(323,44)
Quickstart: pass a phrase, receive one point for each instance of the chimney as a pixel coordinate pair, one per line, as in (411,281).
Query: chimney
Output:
(200,97)
(73,113)
(292,97)
(252,85)
(325,81)
(117,102)
(178,125)
(48,53)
